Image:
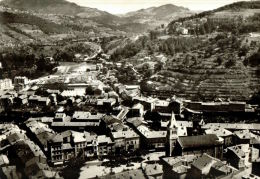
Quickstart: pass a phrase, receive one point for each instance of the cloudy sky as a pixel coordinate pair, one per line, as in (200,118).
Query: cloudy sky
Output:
(123,6)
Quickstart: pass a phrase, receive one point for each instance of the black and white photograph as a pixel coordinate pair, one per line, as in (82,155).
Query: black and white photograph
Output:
(129,89)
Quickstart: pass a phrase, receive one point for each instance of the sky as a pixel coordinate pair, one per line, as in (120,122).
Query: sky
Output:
(123,6)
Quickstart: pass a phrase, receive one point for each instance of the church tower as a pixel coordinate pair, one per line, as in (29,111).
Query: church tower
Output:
(171,135)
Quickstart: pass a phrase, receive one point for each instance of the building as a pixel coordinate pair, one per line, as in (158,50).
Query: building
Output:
(207,166)
(153,171)
(152,140)
(162,106)
(177,167)
(136,111)
(6,84)
(82,116)
(244,137)
(20,82)
(40,131)
(223,133)
(238,156)
(125,140)
(198,145)
(148,103)
(217,106)
(104,146)
(106,104)
(69,144)
(126,175)
(21,79)
(38,101)
(172,136)
(233,126)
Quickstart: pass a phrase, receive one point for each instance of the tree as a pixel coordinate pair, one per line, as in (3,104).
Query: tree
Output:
(230,63)
(219,60)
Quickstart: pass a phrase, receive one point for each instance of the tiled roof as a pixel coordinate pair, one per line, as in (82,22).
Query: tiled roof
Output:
(199,141)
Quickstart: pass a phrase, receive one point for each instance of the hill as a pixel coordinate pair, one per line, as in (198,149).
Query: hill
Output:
(155,16)
(215,57)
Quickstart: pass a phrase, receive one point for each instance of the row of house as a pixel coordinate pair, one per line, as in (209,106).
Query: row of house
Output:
(69,144)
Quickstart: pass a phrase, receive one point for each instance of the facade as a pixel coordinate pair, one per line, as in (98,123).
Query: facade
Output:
(6,84)
(69,144)
(237,156)
(126,140)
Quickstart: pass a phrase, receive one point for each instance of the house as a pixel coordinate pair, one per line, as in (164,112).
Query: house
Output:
(238,156)
(34,160)
(162,106)
(198,145)
(136,111)
(38,101)
(153,171)
(106,104)
(104,145)
(175,105)
(40,131)
(6,84)
(126,140)
(50,91)
(244,137)
(182,30)
(20,82)
(221,169)
(73,93)
(200,168)
(59,117)
(21,79)
(148,103)
(6,101)
(69,144)
(177,167)
(207,166)
(82,116)
(152,140)
(223,133)
(138,173)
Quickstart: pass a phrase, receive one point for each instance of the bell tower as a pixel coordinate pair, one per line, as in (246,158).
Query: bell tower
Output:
(171,135)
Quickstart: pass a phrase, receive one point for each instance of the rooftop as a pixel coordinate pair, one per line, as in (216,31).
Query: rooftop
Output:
(180,160)
(234,126)
(86,115)
(220,132)
(124,134)
(199,141)
(202,163)
(153,169)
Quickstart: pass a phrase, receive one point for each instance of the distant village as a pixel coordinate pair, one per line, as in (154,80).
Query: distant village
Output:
(46,125)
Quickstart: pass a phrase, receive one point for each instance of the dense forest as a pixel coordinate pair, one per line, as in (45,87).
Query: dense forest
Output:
(24,63)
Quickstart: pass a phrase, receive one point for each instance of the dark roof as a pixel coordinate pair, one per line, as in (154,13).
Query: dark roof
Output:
(199,141)
(203,161)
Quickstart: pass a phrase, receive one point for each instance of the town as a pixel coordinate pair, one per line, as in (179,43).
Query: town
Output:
(159,93)
(82,115)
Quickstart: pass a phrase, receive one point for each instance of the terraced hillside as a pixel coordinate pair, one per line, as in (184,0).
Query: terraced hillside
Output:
(209,83)
(211,55)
